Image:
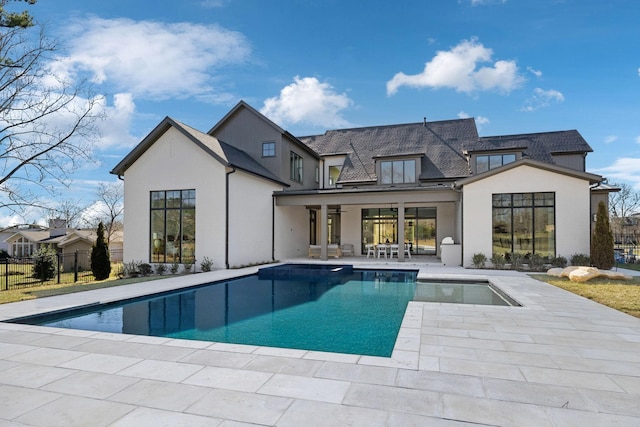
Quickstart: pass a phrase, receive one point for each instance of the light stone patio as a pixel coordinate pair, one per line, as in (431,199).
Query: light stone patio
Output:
(560,360)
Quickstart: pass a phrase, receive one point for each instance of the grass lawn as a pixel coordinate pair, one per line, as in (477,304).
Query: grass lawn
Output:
(622,295)
(67,288)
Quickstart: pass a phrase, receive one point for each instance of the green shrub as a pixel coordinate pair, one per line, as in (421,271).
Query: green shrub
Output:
(175,266)
(130,269)
(479,260)
(160,269)
(145,269)
(498,261)
(100,259)
(186,267)
(44,264)
(559,262)
(536,262)
(206,264)
(580,260)
(517,259)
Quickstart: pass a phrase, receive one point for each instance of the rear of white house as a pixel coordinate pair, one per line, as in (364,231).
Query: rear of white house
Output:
(249,192)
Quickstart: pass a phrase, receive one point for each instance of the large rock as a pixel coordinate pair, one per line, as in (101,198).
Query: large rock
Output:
(556,272)
(615,275)
(583,274)
(567,271)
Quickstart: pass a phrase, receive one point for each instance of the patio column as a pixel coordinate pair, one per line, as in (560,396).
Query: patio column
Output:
(400,231)
(324,231)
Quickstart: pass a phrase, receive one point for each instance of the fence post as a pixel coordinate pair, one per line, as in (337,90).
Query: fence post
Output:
(59,257)
(75,267)
(6,274)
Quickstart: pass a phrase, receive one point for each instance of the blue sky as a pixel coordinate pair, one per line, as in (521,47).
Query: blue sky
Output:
(516,66)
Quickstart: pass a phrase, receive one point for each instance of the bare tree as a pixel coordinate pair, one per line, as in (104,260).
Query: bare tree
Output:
(622,205)
(47,121)
(112,197)
(72,211)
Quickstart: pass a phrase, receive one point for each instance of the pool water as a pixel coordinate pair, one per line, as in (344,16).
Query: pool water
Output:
(358,313)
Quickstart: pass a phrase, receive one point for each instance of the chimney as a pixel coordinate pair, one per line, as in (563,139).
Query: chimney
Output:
(425,122)
(57,227)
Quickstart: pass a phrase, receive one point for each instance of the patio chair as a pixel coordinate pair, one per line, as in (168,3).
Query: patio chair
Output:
(394,249)
(334,251)
(407,251)
(314,251)
(381,250)
(347,249)
(371,250)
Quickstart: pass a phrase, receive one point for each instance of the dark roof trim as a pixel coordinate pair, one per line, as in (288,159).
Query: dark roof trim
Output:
(592,178)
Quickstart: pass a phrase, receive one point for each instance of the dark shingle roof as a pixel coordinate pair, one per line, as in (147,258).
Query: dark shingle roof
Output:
(441,144)
(537,146)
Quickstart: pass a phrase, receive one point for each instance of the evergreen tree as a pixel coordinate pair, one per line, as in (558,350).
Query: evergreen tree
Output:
(602,240)
(100,262)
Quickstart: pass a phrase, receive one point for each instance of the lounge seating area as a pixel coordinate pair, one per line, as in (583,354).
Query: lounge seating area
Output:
(333,250)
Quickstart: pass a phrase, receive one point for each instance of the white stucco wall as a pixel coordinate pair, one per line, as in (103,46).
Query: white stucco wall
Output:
(571,210)
(175,163)
(250,219)
(292,232)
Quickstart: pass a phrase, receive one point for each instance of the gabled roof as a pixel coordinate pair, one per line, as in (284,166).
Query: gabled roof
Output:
(31,235)
(223,153)
(592,178)
(88,236)
(243,105)
(440,143)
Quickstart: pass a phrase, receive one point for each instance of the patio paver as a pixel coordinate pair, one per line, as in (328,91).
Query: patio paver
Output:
(558,360)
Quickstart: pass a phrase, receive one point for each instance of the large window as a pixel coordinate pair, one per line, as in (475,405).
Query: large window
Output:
(379,225)
(524,223)
(487,162)
(173,226)
(22,247)
(398,172)
(295,162)
(334,173)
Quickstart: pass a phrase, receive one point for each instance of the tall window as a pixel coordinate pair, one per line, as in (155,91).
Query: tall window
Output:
(398,172)
(524,223)
(22,247)
(173,226)
(295,162)
(487,162)
(268,149)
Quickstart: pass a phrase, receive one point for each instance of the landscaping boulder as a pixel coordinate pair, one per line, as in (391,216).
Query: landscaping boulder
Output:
(583,274)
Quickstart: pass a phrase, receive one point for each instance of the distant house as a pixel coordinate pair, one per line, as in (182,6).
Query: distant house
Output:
(24,241)
(248,191)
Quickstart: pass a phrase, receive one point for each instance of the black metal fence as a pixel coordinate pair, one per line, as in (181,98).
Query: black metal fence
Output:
(627,248)
(19,273)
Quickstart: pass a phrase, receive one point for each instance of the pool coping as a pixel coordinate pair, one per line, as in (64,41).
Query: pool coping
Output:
(481,364)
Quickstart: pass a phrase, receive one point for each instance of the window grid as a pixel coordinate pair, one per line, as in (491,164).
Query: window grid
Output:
(268,149)
(172,226)
(488,162)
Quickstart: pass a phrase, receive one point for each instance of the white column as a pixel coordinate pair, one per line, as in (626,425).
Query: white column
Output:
(324,230)
(400,232)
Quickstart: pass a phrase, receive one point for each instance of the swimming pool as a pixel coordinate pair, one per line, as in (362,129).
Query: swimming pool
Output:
(350,311)
(462,292)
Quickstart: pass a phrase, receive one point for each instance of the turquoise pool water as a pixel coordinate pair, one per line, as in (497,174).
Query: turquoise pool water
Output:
(357,312)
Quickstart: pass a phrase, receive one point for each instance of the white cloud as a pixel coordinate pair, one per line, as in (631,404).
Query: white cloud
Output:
(610,139)
(115,128)
(307,100)
(152,59)
(623,169)
(638,139)
(638,71)
(458,69)
(536,73)
(480,120)
(542,98)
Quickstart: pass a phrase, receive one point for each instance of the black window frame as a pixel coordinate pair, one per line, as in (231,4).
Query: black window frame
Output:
(268,149)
